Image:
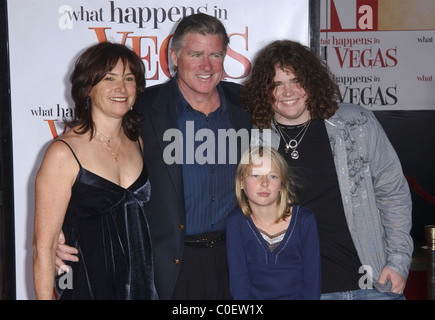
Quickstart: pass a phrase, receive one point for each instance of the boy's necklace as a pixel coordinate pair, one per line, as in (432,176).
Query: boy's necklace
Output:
(293,143)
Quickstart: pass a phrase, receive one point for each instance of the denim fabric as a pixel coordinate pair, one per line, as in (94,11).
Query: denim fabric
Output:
(362,294)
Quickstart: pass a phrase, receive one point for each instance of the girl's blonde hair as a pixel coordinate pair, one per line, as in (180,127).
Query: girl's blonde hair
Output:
(286,197)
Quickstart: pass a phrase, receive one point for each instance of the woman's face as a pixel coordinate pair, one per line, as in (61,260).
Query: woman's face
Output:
(115,94)
(290,106)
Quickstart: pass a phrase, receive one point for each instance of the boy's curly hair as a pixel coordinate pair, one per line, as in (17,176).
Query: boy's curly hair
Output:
(312,73)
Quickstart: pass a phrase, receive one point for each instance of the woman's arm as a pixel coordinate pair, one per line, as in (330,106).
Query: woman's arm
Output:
(52,193)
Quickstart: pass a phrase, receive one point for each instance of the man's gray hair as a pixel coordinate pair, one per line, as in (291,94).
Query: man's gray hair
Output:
(198,23)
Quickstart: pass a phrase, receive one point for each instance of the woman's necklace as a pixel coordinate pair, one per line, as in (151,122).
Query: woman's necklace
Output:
(293,143)
(106,144)
(107,138)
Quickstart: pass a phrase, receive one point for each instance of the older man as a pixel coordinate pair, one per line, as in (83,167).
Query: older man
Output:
(190,201)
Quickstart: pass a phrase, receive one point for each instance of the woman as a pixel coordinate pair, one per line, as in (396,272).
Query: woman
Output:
(92,184)
(348,172)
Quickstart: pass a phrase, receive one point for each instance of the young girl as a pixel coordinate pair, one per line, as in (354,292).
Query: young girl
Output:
(272,244)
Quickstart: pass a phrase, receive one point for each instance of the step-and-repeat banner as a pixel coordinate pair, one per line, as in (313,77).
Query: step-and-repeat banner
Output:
(382,51)
(45,38)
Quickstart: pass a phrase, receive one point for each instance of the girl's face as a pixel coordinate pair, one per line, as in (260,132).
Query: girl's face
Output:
(262,184)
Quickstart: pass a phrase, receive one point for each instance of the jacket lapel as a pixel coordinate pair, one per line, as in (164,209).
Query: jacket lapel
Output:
(162,120)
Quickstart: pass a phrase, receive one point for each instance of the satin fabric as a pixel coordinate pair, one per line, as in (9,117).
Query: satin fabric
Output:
(107,224)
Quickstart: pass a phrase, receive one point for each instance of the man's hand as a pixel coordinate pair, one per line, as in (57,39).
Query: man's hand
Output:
(397,281)
(64,252)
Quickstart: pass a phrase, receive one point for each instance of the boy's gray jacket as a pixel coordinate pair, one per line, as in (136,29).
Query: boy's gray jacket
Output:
(375,193)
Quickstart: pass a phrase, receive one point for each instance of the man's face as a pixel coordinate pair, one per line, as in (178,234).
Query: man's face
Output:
(199,64)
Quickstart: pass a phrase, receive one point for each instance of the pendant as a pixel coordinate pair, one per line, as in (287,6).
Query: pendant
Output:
(287,147)
(294,154)
(293,143)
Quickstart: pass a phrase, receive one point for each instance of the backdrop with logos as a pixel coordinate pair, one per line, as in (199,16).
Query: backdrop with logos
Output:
(45,38)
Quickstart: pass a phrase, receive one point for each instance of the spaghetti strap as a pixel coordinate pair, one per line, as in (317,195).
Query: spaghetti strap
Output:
(80,165)
(140,147)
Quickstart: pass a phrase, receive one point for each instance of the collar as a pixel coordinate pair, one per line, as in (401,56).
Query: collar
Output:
(181,103)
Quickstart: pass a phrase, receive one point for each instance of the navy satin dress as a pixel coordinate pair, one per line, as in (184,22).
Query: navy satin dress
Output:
(107,224)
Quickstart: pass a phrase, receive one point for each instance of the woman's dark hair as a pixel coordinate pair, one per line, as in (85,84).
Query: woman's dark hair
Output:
(312,73)
(90,68)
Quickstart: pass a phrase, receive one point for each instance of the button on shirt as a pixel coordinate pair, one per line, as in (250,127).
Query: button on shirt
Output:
(208,176)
